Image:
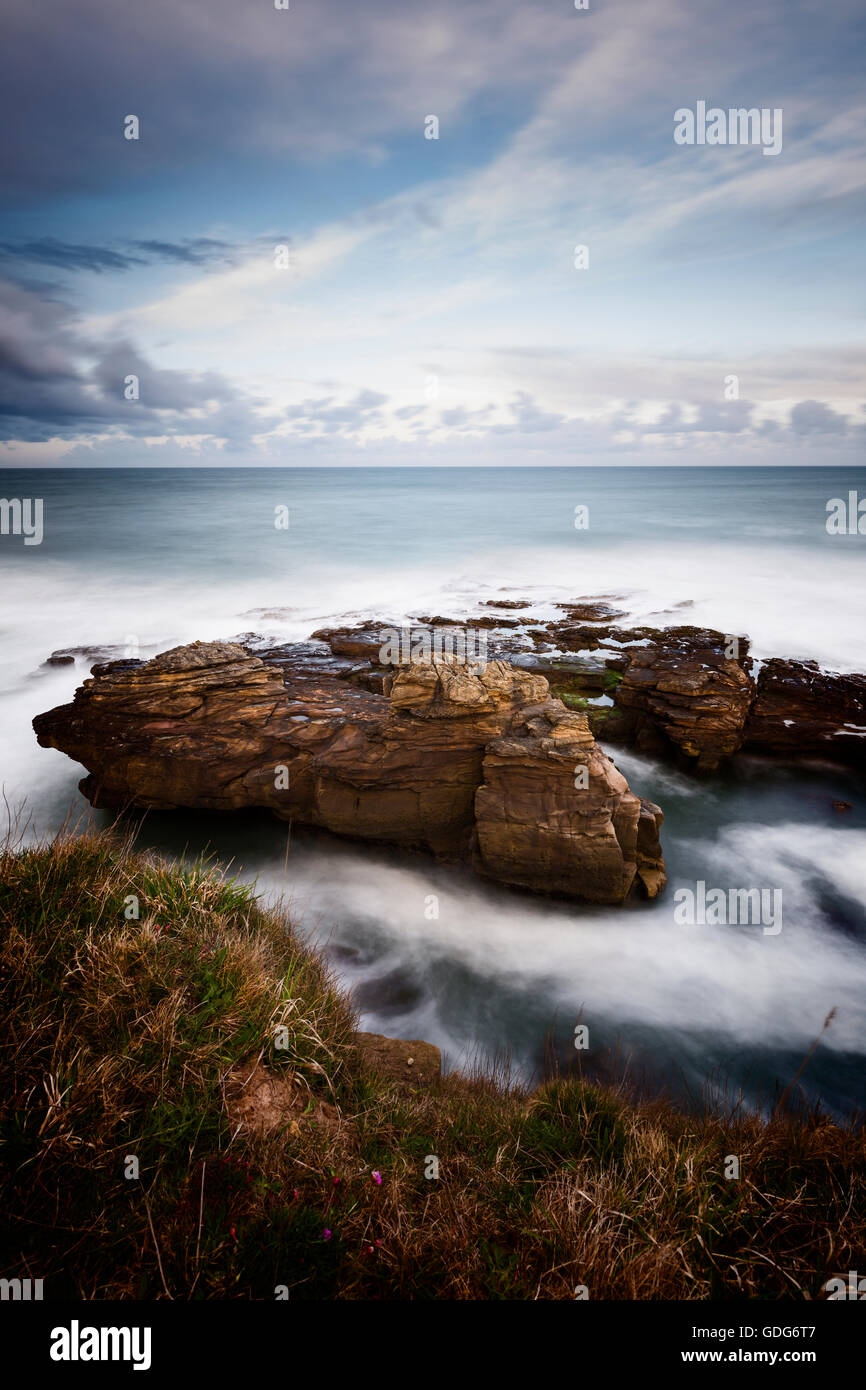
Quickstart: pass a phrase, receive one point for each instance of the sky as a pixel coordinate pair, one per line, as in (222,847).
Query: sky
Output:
(295,272)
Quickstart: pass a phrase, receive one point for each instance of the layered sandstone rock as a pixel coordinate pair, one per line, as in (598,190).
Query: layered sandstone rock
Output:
(459,760)
(672,692)
(689,693)
(681,694)
(553,807)
(689,696)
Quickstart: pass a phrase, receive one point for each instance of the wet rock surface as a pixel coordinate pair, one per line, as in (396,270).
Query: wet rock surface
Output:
(801,710)
(667,691)
(688,692)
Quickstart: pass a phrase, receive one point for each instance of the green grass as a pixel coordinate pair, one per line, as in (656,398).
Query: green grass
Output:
(124,1035)
(570,700)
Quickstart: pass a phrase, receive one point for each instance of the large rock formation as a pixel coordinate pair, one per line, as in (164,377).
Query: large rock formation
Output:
(673,690)
(460,759)
(686,691)
(682,692)
(690,692)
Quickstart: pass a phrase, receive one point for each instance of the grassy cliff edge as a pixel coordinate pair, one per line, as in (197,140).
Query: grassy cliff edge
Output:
(139,1002)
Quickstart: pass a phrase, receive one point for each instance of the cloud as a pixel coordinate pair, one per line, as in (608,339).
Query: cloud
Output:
(707,417)
(62,379)
(462,419)
(530,419)
(351,418)
(313,81)
(55,382)
(64,255)
(201,250)
(556,128)
(814,417)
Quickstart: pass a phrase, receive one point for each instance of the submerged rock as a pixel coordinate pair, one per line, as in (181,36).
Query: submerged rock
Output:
(68,656)
(507,603)
(468,762)
(592,611)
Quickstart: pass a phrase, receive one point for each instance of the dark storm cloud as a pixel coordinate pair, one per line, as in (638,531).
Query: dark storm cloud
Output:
(55,382)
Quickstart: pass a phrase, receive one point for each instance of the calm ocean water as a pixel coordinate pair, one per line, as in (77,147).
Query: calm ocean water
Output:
(166,556)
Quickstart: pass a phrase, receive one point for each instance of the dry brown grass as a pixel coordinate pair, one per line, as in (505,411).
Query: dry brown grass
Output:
(128,1036)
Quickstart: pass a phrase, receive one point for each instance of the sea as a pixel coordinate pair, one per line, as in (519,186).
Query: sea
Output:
(145,559)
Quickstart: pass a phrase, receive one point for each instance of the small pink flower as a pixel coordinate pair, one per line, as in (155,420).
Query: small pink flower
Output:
(326,1234)
(336,1182)
(377,1178)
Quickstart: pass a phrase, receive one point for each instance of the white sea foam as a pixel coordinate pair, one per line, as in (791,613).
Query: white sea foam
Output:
(630,969)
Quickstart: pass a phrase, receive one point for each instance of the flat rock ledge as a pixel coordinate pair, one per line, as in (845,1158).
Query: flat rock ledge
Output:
(465,761)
